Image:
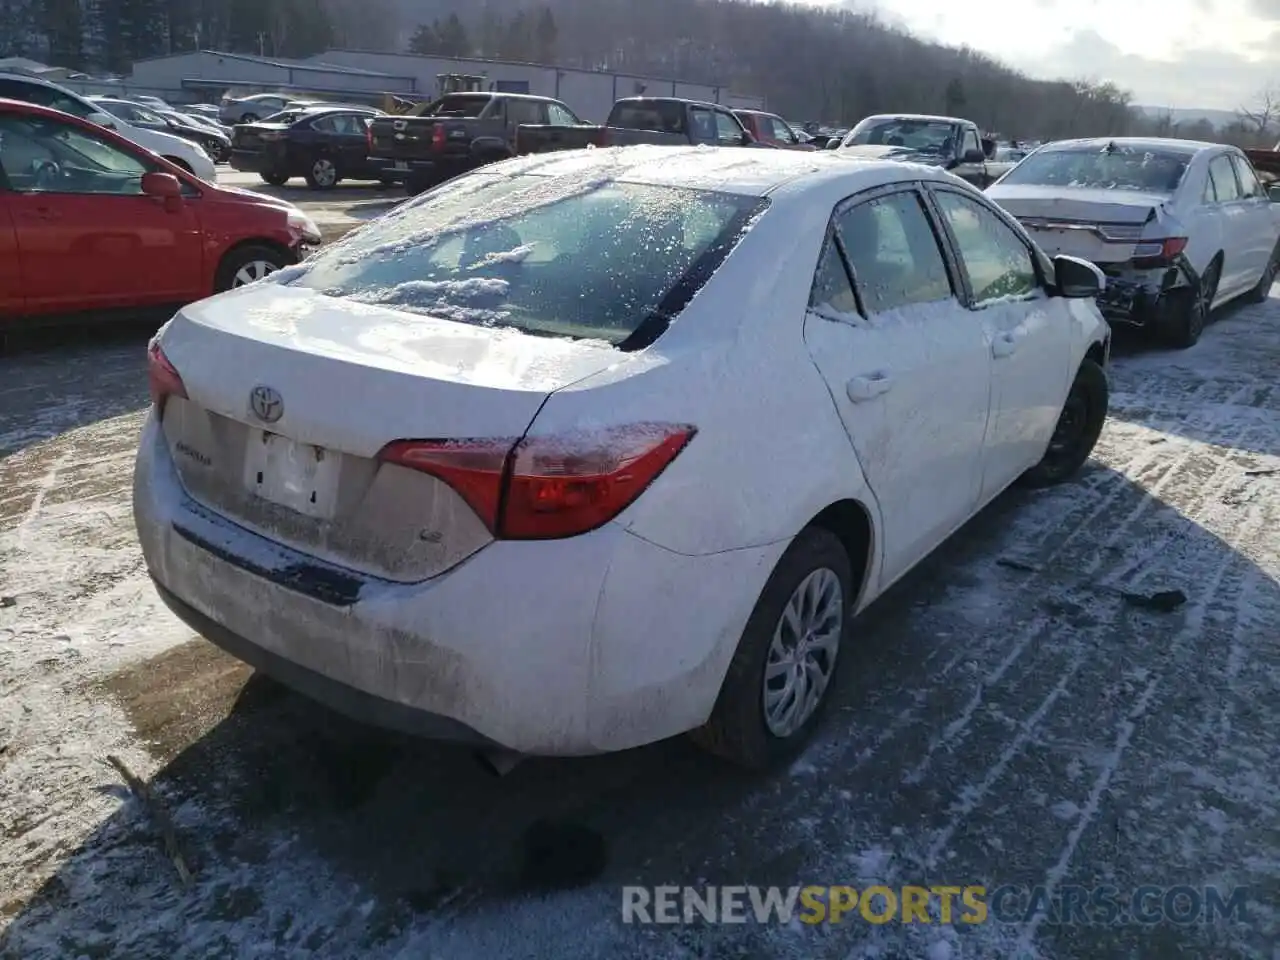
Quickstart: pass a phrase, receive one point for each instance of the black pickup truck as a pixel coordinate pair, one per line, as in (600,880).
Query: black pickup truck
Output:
(637,120)
(456,134)
(948,142)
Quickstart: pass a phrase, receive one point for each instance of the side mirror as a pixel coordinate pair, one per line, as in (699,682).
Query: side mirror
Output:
(747,139)
(833,143)
(973,156)
(162,186)
(103,120)
(1077,279)
(1273,193)
(988,148)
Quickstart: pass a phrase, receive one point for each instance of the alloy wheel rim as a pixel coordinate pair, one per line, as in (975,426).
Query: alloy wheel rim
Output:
(252,272)
(324,172)
(802,653)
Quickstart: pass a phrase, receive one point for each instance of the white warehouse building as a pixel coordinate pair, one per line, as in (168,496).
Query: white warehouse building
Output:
(353,74)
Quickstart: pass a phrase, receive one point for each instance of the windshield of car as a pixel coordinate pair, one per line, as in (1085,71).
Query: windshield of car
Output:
(558,256)
(922,136)
(1113,167)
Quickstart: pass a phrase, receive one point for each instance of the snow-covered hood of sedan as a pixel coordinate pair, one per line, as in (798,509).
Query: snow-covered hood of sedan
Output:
(231,325)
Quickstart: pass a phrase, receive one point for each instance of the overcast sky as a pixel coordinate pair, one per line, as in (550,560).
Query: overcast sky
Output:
(1216,54)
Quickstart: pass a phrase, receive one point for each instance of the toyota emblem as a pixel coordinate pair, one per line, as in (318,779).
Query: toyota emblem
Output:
(267,404)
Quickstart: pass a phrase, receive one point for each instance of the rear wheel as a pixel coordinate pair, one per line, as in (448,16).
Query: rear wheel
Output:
(1193,308)
(1079,426)
(778,680)
(249,118)
(248,264)
(322,174)
(1259,293)
(275,179)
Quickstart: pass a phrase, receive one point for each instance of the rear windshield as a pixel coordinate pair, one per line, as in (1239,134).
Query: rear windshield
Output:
(463,105)
(1113,167)
(660,115)
(557,256)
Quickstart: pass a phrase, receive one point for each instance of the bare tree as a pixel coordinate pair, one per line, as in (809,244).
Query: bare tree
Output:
(1265,111)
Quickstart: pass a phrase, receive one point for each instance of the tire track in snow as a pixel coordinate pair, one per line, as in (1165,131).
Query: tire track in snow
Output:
(1058,872)
(1192,627)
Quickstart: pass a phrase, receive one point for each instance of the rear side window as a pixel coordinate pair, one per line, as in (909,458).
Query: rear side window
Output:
(526,111)
(1249,186)
(894,253)
(1224,179)
(546,255)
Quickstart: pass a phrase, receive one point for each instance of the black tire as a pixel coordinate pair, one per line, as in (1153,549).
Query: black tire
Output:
(737,730)
(1193,308)
(275,179)
(322,174)
(181,163)
(1259,293)
(248,118)
(240,257)
(1079,426)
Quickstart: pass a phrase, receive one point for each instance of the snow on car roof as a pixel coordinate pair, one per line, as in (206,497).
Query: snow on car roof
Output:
(741,170)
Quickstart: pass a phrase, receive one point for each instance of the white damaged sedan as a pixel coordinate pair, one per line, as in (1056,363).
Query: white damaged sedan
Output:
(576,453)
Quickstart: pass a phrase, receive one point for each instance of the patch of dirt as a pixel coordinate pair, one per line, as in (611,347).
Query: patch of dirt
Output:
(174,699)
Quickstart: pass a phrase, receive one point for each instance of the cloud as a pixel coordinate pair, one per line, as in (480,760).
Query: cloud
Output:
(1195,77)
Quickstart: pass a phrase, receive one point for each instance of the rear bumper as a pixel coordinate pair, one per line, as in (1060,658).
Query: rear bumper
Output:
(1144,298)
(428,172)
(556,647)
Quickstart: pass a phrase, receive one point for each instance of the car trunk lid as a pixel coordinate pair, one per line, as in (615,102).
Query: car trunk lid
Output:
(1099,225)
(253,136)
(290,396)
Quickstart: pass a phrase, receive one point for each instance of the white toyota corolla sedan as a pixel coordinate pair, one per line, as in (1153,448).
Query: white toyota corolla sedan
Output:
(583,451)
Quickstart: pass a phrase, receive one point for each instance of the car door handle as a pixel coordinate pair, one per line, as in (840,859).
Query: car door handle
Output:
(44,213)
(1005,344)
(869,386)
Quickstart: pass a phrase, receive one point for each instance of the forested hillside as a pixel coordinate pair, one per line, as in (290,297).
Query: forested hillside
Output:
(836,65)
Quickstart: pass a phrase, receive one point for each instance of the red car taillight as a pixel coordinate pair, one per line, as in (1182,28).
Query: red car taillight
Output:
(1158,253)
(368,137)
(543,488)
(162,376)
(437,137)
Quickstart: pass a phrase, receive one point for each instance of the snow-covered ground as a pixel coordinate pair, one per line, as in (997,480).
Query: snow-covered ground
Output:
(1010,718)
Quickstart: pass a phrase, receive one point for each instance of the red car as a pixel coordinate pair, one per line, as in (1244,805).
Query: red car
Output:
(771,129)
(90,222)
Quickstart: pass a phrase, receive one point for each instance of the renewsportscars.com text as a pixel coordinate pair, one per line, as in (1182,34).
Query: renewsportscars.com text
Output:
(1066,904)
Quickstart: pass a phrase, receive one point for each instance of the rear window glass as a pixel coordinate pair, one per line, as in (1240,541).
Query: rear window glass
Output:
(658,115)
(1114,167)
(558,256)
(458,105)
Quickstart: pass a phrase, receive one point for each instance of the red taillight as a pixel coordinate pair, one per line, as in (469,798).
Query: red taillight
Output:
(368,137)
(543,488)
(162,376)
(437,137)
(1155,253)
